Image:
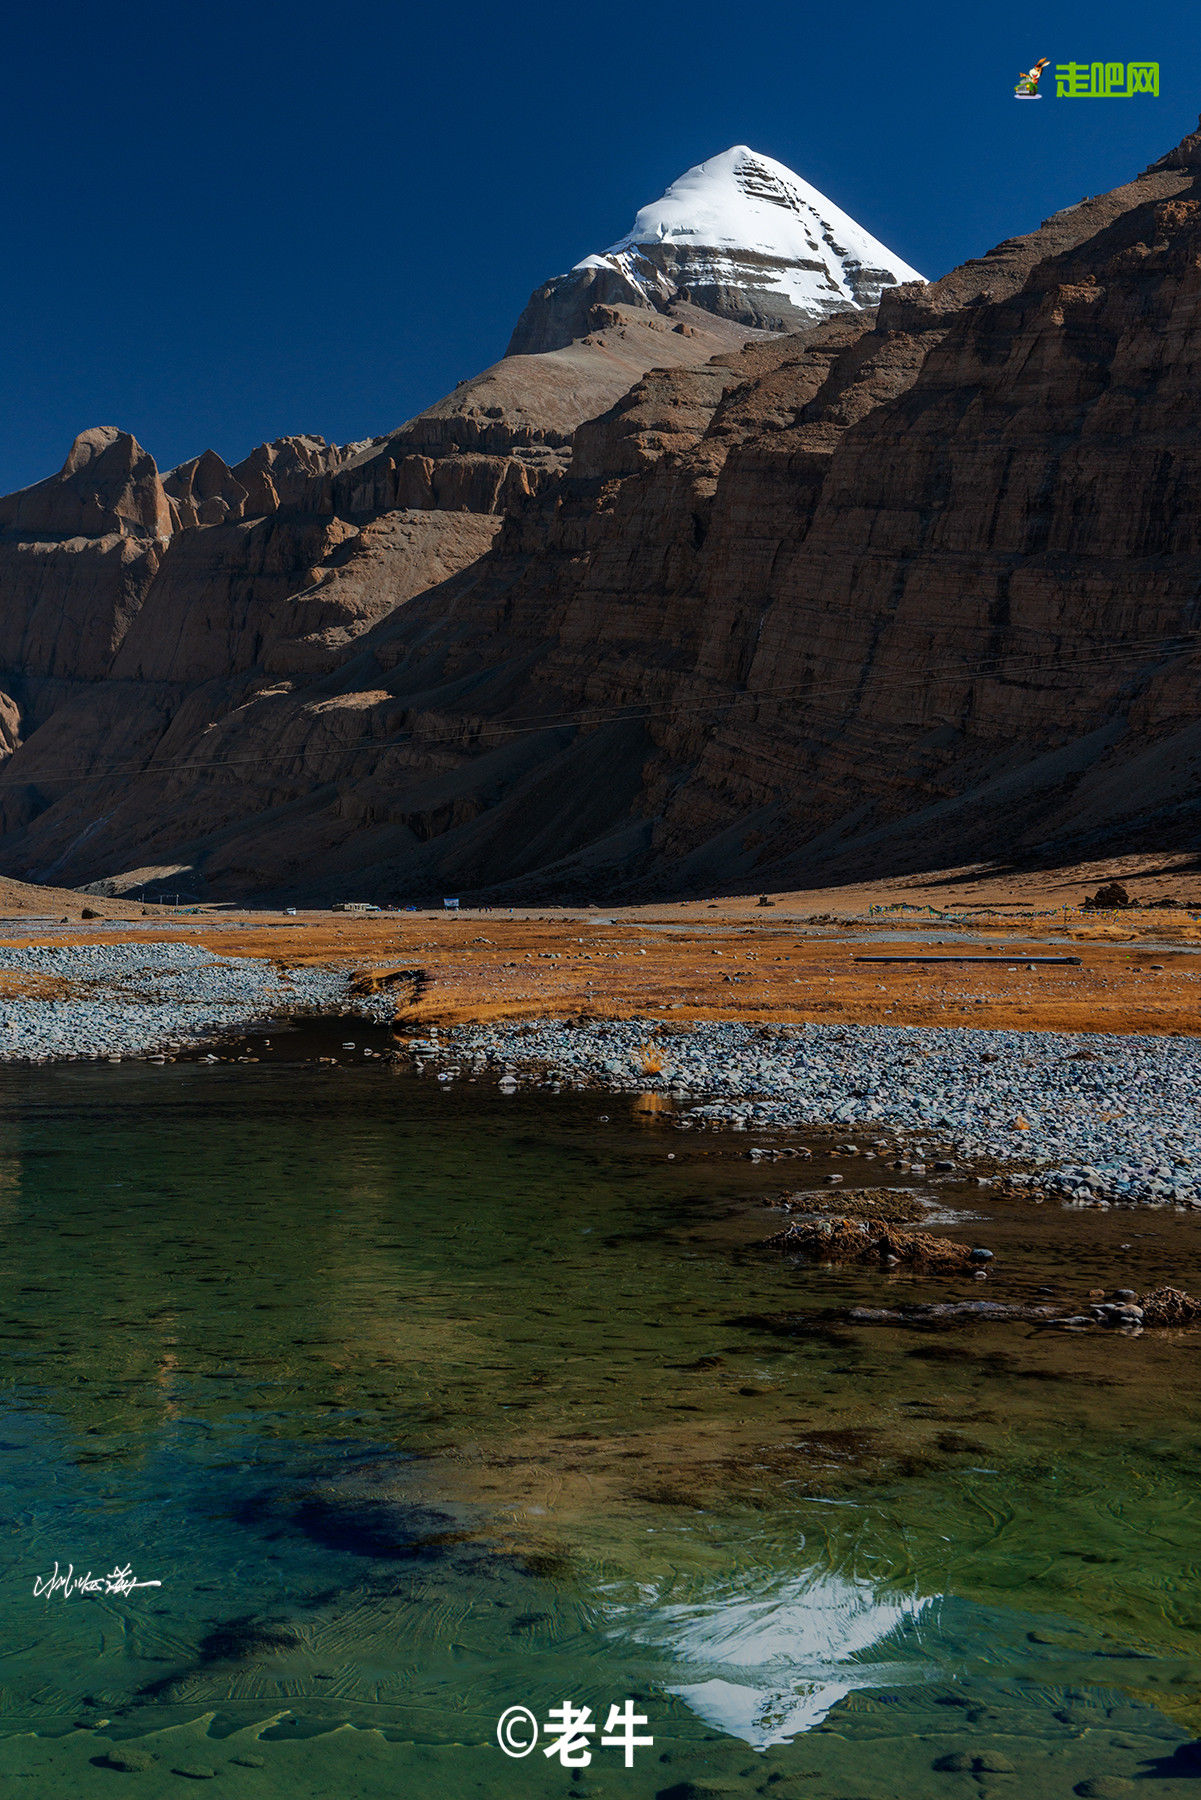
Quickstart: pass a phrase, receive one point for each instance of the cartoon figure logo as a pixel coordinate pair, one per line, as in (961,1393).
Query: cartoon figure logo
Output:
(1027,87)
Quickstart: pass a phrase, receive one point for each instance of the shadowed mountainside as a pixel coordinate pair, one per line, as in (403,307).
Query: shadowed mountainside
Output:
(906,589)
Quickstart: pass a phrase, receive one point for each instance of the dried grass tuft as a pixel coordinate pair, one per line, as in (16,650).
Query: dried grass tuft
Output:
(883,1206)
(1170,1306)
(858,1241)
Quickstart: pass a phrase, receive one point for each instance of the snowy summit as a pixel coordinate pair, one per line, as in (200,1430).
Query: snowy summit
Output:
(739,236)
(741,213)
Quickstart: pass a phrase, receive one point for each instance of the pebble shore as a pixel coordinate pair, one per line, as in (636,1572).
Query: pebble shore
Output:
(142,999)
(1103,1119)
(1099,1119)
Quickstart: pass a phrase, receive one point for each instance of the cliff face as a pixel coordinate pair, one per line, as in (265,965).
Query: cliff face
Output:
(981,641)
(887,610)
(908,588)
(139,608)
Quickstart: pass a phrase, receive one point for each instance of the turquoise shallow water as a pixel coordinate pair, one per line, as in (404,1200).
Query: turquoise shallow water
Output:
(423,1404)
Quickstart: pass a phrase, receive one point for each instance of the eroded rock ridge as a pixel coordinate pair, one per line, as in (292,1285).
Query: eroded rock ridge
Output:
(915,585)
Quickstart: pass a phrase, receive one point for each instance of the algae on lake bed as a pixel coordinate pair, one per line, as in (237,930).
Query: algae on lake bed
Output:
(424,1404)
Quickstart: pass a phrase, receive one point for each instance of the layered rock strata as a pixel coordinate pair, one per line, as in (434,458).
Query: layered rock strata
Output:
(906,589)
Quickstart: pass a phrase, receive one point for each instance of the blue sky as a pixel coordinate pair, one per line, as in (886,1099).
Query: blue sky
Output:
(229,223)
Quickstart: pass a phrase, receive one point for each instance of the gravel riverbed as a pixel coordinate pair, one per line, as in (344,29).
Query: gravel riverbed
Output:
(139,999)
(1101,1119)
(1105,1119)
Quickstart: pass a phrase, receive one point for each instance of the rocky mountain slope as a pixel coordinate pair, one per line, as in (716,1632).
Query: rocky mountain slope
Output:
(910,587)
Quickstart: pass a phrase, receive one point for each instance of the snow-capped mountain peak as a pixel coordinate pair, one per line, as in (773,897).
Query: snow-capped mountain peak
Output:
(806,249)
(741,236)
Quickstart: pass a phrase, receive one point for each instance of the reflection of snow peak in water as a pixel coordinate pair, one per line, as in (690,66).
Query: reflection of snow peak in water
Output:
(807,1642)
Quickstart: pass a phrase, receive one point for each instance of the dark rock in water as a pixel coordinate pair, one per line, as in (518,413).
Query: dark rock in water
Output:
(238,1639)
(948,1312)
(195,1771)
(1164,1307)
(1184,1763)
(696,1790)
(127,1758)
(1104,1787)
(362,1513)
(235,1641)
(249,1762)
(981,1762)
(529,1622)
(953,1443)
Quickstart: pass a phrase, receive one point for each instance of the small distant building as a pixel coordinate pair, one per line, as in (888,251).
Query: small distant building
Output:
(355,906)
